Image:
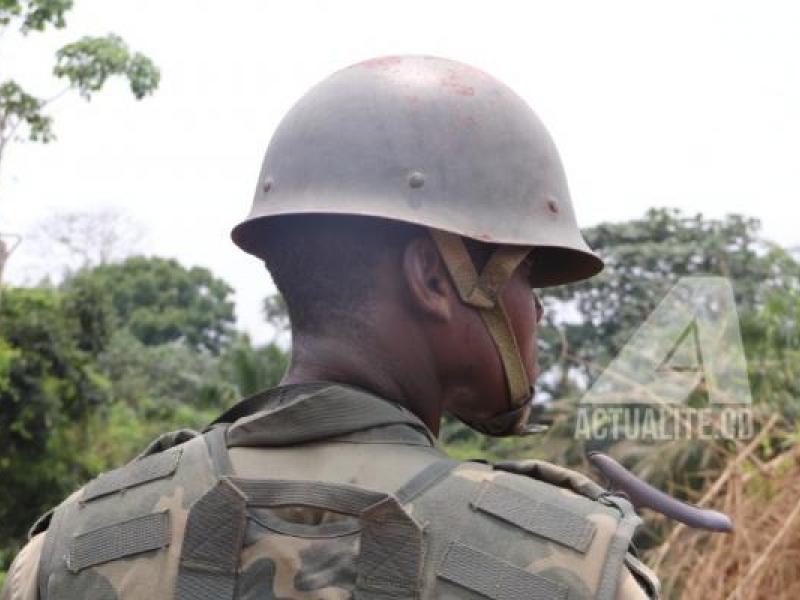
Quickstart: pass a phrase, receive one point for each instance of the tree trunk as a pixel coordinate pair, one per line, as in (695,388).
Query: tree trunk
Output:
(4,254)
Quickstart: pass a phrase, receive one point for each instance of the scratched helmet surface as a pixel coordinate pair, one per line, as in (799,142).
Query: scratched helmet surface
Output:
(428,141)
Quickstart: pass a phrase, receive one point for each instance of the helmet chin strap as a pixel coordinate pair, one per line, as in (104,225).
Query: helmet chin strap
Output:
(482,291)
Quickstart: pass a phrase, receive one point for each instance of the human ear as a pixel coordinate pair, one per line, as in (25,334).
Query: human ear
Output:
(429,286)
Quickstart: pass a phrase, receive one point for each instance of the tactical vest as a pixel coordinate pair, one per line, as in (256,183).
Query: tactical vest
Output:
(177,523)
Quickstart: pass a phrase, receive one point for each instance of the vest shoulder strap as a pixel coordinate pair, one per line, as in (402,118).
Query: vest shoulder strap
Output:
(495,532)
(555,475)
(135,514)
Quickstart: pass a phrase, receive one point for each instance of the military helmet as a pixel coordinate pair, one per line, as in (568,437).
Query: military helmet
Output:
(428,141)
(443,145)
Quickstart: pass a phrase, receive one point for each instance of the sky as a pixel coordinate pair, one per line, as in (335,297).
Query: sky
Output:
(683,104)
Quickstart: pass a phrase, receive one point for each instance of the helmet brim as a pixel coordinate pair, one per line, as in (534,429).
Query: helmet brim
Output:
(552,265)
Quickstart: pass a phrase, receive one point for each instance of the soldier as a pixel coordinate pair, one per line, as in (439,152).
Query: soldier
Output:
(406,208)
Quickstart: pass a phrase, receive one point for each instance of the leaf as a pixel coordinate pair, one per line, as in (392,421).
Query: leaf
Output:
(17,107)
(88,63)
(40,13)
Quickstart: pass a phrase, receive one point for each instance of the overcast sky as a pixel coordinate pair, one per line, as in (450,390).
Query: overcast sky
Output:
(686,104)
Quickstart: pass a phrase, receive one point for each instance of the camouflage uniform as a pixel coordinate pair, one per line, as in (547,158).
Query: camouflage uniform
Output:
(326,491)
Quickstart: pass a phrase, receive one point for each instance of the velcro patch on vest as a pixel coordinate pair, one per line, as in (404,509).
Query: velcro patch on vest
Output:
(137,535)
(495,578)
(150,468)
(539,518)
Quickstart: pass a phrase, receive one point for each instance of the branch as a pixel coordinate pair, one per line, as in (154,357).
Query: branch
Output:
(767,553)
(714,489)
(56,96)
(6,251)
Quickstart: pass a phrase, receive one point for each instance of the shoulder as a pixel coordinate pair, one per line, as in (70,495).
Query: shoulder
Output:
(532,527)
(519,493)
(22,577)
(568,522)
(130,513)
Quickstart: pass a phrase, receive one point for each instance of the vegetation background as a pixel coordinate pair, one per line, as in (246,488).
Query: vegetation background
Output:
(119,346)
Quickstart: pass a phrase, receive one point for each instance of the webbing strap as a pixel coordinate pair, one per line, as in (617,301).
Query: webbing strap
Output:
(389,564)
(461,268)
(134,536)
(494,578)
(501,266)
(483,292)
(553,474)
(618,548)
(272,493)
(428,477)
(479,290)
(143,470)
(496,321)
(644,576)
(168,440)
(212,543)
(217,446)
(542,519)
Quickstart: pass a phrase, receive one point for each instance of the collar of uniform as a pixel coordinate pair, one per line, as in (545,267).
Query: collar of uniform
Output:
(302,413)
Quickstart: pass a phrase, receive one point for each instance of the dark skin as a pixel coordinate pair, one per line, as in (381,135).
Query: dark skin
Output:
(423,347)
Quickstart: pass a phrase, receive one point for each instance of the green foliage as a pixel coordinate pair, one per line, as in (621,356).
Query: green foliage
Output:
(18,105)
(644,258)
(161,380)
(35,14)
(89,305)
(86,65)
(276,313)
(159,301)
(47,383)
(462,443)
(90,61)
(252,369)
(771,336)
(153,389)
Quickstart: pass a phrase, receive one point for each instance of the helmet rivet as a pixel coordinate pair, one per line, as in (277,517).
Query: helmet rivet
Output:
(553,206)
(267,184)
(416,179)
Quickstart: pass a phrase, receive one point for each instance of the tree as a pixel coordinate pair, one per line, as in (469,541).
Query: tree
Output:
(153,389)
(49,389)
(159,301)
(644,259)
(84,66)
(66,242)
(276,313)
(253,369)
(7,247)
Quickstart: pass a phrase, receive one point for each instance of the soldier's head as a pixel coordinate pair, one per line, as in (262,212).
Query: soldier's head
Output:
(410,205)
